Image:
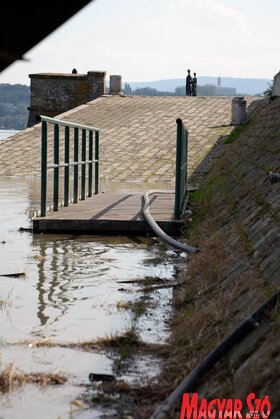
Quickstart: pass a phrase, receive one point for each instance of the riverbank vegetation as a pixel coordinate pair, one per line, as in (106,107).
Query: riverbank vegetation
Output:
(234,224)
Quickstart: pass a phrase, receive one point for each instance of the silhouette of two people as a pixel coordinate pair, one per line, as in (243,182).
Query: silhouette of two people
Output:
(191,84)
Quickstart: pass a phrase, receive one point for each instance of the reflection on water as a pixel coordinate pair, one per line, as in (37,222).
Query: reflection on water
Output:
(78,283)
(70,290)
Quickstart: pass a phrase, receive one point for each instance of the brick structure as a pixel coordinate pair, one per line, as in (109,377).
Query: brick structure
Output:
(52,94)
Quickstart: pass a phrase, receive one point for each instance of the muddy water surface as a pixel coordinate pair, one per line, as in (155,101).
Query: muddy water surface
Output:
(69,289)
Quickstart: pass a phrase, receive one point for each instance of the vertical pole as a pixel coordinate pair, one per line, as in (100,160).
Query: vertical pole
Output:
(183,167)
(96,165)
(90,157)
(178,169)
(186,159)
(83,168)
(66,168)
(56,169)
(43,168)
(76,166)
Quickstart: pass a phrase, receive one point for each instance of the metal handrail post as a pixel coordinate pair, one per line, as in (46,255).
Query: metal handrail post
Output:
(186,159)
(83,168)
(76,167)
(96,164)
(56,168)
(183,167)
(90,157)
(66,168)
(178,168)
(44,153)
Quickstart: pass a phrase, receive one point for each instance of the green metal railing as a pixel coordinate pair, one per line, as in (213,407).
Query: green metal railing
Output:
(89,145)
(181,167)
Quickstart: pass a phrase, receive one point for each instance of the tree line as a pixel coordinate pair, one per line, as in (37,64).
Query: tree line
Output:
(14,99)
(206,90)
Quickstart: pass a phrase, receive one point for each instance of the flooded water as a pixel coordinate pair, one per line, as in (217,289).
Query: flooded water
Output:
(6,133)
(69,289)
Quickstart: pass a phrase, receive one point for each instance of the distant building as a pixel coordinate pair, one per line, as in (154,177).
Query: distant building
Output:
(224,91)
(212,90)
(209,90)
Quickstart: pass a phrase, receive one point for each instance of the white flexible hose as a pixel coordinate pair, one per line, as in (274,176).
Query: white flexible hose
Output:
(155,227)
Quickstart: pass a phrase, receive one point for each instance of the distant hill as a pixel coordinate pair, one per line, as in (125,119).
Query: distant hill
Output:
(243,85)
(14,99)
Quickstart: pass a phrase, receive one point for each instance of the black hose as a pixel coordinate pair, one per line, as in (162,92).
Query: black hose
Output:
(187,385)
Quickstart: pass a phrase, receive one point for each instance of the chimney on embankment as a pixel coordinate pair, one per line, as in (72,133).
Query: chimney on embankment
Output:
(238,111)
(276,85)
(55,93)
(115,85)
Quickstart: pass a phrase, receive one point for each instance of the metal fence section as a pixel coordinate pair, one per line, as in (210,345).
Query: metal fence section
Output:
(85,146)
(181,167)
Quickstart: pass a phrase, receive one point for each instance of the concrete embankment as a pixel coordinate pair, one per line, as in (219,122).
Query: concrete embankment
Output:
(236,226)
(137,138)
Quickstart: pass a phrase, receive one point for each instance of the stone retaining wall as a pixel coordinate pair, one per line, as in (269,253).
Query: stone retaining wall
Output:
(244,212)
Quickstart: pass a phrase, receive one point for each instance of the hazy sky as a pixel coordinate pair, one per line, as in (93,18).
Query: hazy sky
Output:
(145,40)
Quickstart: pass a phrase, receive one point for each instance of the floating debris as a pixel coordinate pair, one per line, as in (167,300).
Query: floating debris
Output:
(14,275)
(39,343)
(101,377)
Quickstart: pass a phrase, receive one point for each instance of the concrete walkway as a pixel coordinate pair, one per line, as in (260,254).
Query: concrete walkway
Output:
(138,136)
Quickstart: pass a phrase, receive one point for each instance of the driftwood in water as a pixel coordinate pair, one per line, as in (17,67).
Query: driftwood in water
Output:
(14,275)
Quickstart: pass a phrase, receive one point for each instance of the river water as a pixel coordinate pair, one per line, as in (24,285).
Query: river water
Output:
(6,133)
(70,289)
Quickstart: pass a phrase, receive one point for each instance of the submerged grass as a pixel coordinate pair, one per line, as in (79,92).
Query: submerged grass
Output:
(40,343)
(11,377)
(6,302)
(124,343)
(128,338)
(137,308)
(128,401)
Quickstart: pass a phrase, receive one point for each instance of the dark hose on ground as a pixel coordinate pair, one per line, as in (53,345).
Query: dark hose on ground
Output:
(157,230)
(188,384)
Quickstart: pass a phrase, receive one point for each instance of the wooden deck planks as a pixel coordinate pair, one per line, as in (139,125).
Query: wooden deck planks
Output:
(110,214)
